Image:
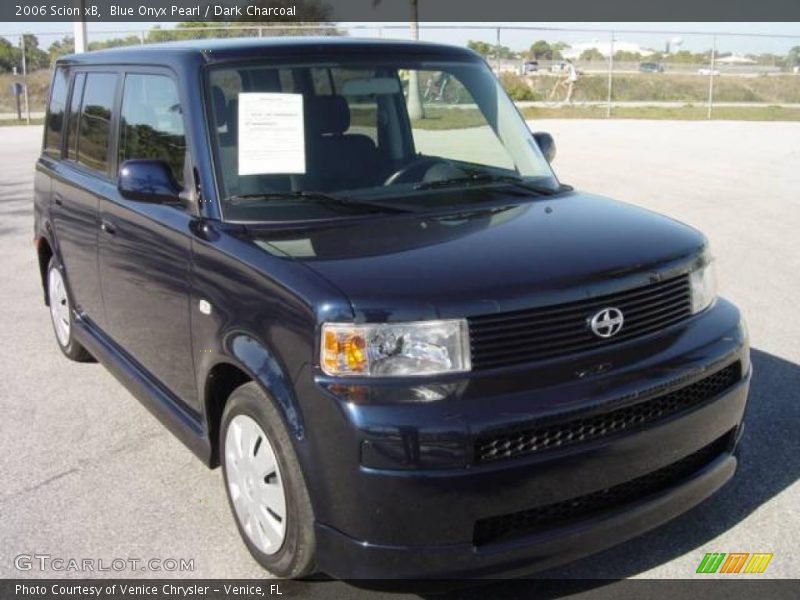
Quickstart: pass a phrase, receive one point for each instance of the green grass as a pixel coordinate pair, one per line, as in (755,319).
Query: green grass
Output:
(682,113)
(459,118)
(437,118)
(12,122)
(662,87)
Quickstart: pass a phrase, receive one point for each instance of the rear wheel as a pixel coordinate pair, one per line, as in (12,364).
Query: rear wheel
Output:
(265,486)
(61,314)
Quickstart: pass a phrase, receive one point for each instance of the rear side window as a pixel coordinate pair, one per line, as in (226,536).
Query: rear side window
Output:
(94,130)
(55,114)
(74,116)
(152,122)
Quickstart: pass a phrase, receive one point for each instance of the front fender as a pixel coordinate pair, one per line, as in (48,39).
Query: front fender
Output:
(264,367)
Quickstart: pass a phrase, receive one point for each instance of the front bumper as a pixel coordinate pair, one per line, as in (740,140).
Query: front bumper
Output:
(414,512)
(343,556)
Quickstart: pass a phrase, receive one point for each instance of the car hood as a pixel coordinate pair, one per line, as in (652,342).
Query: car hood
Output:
(522,255)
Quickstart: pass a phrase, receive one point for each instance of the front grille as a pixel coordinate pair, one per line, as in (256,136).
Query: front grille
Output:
(518,337)
(526,522)
(535,437)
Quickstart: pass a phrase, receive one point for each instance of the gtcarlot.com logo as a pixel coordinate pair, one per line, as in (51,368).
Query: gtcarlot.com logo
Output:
(47,562)
(734,562)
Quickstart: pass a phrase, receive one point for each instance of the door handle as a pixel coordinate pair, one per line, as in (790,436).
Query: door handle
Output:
(58,199)
(108,227)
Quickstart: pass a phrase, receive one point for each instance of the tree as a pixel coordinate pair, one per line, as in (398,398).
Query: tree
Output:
(131,40)
(626,56)
(557,49)
(7,59)
(591,54)
(793,57)
(11,55)
(504,52)
(65,45)
(688,58)
(541,50)
(35,57)
(483,48)
(487,50)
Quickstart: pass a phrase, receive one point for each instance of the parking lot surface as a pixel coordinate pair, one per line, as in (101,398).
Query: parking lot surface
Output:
(87,472)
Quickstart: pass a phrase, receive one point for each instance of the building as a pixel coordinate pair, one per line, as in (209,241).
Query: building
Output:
(604,48)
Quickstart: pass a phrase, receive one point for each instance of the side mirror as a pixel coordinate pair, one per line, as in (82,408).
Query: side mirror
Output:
(146,180)
(546,144)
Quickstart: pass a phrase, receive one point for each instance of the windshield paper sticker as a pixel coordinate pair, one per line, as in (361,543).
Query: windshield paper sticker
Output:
(271,134)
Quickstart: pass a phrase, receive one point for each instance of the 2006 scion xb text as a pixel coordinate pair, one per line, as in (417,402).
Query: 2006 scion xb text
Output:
(167,590)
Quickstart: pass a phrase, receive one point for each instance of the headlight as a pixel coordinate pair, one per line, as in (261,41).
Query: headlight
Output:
(395,349)
(703,282)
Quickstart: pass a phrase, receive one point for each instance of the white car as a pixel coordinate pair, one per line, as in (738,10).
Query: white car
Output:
(707,71)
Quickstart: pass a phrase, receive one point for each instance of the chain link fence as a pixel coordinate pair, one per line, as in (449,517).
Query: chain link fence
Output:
(626,73)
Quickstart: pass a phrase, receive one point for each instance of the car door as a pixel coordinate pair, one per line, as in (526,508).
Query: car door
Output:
(145,249)
(78,181)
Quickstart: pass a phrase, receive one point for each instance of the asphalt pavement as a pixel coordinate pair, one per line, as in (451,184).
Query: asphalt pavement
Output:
(87,472)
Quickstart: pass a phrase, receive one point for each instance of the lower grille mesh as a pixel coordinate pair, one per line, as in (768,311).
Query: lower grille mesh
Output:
(533,439)
(509,526)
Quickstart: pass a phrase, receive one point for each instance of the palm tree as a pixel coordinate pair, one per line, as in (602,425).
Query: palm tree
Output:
(414,100)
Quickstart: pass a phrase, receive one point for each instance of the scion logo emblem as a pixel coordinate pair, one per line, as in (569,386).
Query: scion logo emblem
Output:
(607,322)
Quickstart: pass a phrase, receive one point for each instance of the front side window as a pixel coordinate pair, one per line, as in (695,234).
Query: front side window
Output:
(94,131)
(369,129)
(152,122)
(55,114)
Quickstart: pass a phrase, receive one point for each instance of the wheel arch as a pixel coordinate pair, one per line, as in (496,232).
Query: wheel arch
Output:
(247,359)
(44,252)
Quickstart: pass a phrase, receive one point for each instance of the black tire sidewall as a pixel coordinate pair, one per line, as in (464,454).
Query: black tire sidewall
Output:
(296,556)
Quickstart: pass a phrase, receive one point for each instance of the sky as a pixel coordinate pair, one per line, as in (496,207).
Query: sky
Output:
(752,38)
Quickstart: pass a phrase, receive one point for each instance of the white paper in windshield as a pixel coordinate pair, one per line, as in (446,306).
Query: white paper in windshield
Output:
(271,134)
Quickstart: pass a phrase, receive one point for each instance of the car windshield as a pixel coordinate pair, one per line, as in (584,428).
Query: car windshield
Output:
(313,139)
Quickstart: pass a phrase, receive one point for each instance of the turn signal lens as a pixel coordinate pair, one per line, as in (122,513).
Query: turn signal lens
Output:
(330,351)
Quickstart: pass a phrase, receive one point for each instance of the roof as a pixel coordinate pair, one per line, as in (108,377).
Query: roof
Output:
(210,50)
(736,60)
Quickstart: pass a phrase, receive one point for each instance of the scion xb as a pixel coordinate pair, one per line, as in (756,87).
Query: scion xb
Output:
(412,350)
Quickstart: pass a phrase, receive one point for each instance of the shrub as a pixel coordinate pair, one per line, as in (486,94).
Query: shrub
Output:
(517,87)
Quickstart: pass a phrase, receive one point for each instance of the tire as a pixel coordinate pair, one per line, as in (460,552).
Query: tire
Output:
(255,473)
(61,314)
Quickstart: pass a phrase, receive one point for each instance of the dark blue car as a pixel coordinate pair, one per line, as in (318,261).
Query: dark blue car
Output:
(413,351)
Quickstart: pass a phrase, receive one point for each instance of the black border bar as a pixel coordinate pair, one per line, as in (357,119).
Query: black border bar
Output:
(702,587)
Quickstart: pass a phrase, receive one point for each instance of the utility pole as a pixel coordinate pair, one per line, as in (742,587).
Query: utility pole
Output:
(497,50)
(711,77)
(79,28)
(25,80)
(610,77)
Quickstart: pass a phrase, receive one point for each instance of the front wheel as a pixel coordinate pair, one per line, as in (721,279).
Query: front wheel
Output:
(265,486)
(61,314)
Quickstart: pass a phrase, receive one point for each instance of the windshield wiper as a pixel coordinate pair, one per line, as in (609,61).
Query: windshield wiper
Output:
(479,178)
(312,196)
